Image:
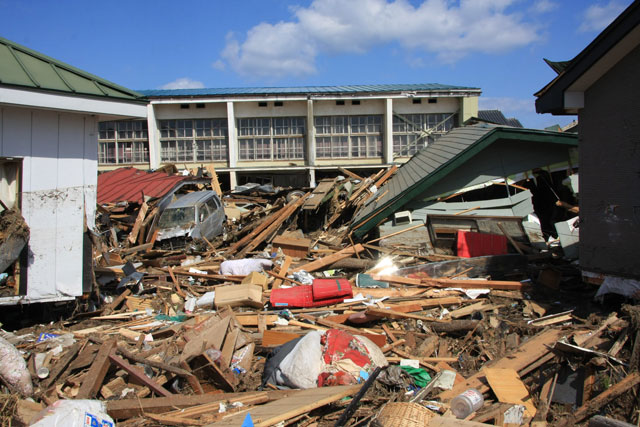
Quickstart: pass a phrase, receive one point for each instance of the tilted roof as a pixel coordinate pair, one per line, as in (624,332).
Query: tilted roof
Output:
(436,161)
(131,184)
(23,67)
(496,117)
(309,90)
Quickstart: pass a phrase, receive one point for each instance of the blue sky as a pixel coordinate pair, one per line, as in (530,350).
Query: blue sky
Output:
(496,45)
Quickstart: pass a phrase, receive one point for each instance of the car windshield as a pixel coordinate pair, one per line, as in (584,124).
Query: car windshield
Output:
(177,217)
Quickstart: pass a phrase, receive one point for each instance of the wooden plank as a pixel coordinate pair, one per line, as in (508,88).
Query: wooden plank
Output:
(330,259)
(128,408)
(508,388)
(397,279)
(61,365)
(471,308)
(229,346)
(282,215)
(133,236)
(475,284)
(284,409)
(529,352)
(215,184)
(116,302)
(98,370)
(282,272)
(252,319)
(350,174)
(386,176)
(139,375)
(276,338)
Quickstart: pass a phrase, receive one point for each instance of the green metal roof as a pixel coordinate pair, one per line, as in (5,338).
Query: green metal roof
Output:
(311,90)
(436,161)
(23,67)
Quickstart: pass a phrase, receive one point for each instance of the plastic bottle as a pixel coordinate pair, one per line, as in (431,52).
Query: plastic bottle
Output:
(466,403)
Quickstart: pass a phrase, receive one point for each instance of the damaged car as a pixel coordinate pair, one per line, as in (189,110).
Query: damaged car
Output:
(190,217)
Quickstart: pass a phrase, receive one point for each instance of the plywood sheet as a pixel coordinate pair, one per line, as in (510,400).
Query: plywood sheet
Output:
(299,403)
(508,388)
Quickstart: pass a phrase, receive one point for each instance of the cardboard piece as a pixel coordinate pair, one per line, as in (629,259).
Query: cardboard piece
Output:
(256,278)
(239,295)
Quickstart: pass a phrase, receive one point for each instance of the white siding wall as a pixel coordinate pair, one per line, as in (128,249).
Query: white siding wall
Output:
(59,179)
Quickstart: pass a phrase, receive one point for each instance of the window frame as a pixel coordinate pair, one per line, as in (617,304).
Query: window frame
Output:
(357,136)
(123,142)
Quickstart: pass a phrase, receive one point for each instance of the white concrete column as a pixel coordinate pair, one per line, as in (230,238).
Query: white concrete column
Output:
(154,138)
(387,142)
(311,136)
(233,140)
(312,178)
(233,180)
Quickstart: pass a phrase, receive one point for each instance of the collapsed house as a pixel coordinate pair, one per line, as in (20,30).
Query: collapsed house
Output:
(477,170)
(49,114)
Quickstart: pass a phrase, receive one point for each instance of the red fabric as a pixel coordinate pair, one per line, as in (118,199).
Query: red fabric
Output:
(336,378)
(339,345)
(331,288)
(471,244)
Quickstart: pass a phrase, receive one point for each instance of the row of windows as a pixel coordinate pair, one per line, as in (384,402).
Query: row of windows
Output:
(123,130)
(277,138)
(123,142)
(123,152)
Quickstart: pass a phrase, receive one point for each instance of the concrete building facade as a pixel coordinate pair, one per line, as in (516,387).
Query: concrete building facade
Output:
(285,136)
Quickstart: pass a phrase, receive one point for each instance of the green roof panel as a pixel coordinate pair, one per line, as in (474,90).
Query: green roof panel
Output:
(23,67)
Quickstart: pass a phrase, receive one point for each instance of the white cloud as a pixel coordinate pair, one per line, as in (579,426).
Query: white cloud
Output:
(543,6)
(598,16)
(219,65)
(447,29)
(183,83)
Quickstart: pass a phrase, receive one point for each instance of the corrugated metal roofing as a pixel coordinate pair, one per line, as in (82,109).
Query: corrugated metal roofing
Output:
(305,90)
(129,184)
(440,155)
(496,117)
(21,66)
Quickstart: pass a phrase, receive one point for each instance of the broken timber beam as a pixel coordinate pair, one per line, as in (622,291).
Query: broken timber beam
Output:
(330,259)
(281,216)
(593,405)
(98,370)
(139,375)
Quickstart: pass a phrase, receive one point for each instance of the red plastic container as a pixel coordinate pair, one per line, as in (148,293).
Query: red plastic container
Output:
(323,292)
(471,244)
(331,288)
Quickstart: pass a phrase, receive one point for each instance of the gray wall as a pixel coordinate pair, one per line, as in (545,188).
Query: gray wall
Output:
(610,171)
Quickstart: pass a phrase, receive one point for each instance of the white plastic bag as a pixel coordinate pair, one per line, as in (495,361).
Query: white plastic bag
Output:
(13,368)
(74,413)
(301,367)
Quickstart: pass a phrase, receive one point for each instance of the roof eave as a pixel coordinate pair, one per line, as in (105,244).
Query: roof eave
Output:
(551,97)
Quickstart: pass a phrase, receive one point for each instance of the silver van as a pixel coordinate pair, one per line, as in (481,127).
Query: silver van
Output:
(193,215)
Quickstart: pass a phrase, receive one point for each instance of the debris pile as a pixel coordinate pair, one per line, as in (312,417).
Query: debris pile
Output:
(283,317)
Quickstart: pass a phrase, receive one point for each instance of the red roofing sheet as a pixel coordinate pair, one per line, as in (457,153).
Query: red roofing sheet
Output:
(129,184)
